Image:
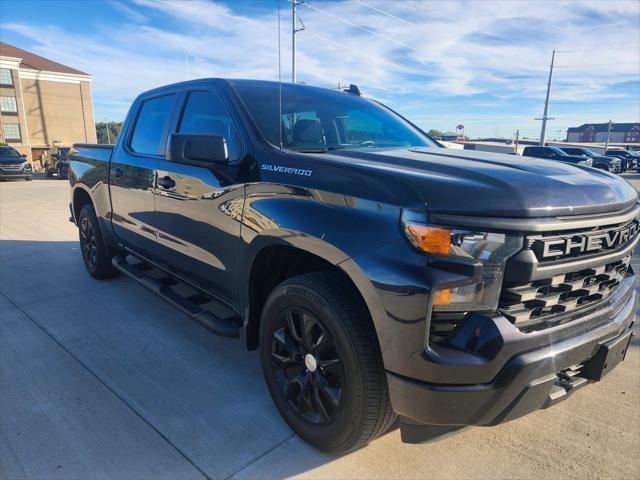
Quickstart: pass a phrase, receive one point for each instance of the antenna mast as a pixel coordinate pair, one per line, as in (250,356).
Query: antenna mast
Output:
(294,30)
(279,81)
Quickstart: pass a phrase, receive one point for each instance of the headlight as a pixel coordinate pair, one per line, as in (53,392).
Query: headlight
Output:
(490,249)
(26,165)
(583,163)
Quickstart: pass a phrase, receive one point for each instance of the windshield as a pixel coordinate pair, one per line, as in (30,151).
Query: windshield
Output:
(318,119)
(588,152)
(9,152)
(558,151)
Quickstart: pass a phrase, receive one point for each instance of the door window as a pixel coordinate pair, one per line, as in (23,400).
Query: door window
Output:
(149,132)
(205,114)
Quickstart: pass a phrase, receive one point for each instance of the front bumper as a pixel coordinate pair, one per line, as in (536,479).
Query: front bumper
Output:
(530,379)
(23,173)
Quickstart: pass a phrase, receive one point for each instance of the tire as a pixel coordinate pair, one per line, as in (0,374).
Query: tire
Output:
(59,172)
(28,179)
(338,399)
(48,172)
(95,255)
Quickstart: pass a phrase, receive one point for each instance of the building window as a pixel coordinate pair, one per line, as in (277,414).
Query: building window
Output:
(11,132)
(8,105)
(5,77)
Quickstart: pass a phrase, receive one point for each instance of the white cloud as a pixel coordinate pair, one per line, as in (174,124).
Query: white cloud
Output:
(450,48)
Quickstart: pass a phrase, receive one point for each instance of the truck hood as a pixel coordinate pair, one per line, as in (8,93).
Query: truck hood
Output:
(468,182)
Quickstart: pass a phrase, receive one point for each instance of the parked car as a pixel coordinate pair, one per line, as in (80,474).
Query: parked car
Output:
(631,158)
(599,161)
(56,160)
(554,153)
(13,164)
(379,274)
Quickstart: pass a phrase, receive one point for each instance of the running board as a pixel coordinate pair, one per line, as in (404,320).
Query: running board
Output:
(190,303)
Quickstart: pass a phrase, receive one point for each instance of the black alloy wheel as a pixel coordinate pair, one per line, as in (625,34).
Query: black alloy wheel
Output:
(96,254)
(88,243)
(307,365)
(322,364)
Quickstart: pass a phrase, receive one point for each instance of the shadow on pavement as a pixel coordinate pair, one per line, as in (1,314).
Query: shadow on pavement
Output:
(204,394)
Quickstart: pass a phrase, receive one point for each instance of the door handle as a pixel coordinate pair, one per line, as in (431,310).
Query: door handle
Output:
(166,182)
(117,172)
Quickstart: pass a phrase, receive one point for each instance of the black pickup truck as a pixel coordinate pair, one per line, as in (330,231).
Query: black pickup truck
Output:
(379,274)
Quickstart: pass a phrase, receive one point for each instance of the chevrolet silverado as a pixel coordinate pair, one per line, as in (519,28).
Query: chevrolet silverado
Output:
(380,275)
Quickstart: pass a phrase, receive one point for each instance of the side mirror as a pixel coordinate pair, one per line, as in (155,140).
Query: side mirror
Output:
(201,150)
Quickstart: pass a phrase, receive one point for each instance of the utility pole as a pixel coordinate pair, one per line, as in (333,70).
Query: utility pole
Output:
(108,134)
(294,30)
(517,139)
(606,146)
(545,116)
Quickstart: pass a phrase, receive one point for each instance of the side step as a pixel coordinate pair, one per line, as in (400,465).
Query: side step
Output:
(189,301)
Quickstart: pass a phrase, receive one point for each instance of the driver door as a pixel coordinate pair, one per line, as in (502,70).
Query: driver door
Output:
(197,230)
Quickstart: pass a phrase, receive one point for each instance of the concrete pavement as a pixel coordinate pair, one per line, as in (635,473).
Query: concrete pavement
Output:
(104,380)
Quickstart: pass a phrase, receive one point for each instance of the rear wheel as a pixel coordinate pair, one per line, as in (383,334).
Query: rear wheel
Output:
(96,256)
(48,172)
(322,364)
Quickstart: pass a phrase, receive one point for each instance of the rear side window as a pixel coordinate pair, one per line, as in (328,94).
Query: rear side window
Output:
(149,131)
(205,114)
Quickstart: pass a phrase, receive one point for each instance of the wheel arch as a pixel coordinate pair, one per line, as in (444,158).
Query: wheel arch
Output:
(275,257)
(80,198)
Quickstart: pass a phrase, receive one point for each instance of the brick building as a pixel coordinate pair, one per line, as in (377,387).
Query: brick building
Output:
(597,133)
(42,103)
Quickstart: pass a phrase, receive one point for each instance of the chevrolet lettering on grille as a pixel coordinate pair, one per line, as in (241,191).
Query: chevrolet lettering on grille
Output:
(573,245)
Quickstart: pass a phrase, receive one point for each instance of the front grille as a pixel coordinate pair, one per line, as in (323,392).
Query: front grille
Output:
(10,167)
(530,305)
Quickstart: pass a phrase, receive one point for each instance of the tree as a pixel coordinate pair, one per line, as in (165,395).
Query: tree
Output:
(114,131)
(434,133)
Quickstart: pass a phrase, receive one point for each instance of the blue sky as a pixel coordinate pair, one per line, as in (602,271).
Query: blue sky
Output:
(482,64)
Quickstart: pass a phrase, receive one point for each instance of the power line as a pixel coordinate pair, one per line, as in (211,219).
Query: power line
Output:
(596,64)
(383,12)
(422,7)
(605,103)
(346,22)
(598,49)
(359,52)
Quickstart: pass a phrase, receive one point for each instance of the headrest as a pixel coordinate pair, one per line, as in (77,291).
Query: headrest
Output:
(307,131)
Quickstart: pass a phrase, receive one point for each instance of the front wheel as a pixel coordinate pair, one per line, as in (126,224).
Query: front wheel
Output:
(95,254)
(322,364)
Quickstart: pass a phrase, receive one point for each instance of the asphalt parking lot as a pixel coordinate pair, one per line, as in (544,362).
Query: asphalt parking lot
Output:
(104,380)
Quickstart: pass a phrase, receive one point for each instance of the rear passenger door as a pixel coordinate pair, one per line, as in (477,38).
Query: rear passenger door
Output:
(198,208)
(132,174)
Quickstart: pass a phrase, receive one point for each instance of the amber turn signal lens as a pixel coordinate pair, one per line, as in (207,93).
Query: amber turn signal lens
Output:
(431,239)
(442,297)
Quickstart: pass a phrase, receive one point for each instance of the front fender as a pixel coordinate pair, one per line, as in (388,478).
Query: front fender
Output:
(334,227)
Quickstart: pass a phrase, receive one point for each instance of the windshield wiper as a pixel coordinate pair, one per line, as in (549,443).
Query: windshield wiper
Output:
(320,150)
(312,150)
